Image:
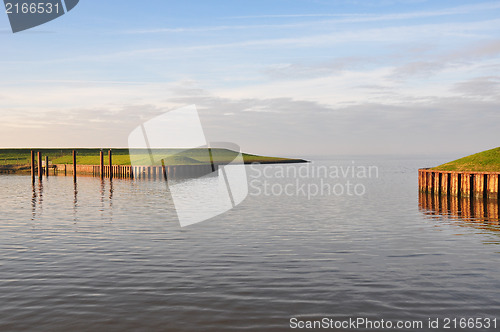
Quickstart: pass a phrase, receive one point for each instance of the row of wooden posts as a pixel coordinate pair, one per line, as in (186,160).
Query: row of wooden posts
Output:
(464,184)
(119,171)
(37,167)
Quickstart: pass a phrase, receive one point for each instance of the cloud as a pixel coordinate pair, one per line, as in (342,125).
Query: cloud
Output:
(357,18)
(483,87)
(301,70)
(280,126)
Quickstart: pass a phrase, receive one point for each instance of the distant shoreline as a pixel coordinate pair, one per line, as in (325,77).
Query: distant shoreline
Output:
(19,160)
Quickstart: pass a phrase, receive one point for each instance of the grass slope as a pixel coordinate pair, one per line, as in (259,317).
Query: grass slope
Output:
(122,157)
(486,161)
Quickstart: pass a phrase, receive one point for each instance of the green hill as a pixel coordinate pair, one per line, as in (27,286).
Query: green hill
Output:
(486,161)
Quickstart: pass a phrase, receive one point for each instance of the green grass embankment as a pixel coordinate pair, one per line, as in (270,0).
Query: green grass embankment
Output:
(486,161)
(122,157)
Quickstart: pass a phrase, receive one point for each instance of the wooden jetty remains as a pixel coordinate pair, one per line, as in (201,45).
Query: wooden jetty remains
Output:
(462,184)
(147,172)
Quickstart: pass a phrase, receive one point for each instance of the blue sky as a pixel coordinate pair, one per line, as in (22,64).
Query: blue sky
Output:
(282,77)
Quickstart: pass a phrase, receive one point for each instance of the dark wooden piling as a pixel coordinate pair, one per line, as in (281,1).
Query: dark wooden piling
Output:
(445,183)
(101,160)
(437,183)
(33,174)
(40,168)
(492,186)
(46,166)
(110,154)
(466,184)
(74,165)
(479,185)
(455,184)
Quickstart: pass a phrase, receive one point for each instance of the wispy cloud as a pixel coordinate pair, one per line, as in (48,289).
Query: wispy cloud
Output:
(355,17)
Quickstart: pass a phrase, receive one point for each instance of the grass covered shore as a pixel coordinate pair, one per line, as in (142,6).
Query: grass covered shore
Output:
(486,161)
(122,157)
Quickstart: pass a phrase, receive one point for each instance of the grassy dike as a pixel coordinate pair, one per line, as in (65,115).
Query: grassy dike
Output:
(11,157)
(486,161)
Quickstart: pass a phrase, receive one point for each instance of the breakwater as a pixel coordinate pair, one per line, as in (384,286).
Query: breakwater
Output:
(463,184)
(42,167)
(131,172)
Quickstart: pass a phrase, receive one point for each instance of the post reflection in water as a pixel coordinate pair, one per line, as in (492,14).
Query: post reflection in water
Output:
(36,199)
(75,201)
(104,195)
(468,210)
(111,190)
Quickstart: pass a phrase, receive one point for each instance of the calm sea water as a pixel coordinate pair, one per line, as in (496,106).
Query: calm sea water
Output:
(107,256)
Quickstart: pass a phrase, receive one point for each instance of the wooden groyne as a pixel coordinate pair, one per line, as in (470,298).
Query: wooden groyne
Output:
(111,171)
(131,172)
(462,184)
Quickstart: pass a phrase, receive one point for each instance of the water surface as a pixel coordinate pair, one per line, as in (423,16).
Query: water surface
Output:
(112,256)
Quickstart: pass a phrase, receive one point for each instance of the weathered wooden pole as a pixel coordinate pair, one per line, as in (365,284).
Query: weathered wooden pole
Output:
(467,180)
(445,183)
(40,168)
(47,166)
(437,183)
(455,184)
(492,186)
(110,164)
(74,165)
(479,186)
(430,181)
(101,161)
(33,166)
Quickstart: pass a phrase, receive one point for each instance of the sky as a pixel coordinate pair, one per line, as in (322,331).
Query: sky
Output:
(277,77)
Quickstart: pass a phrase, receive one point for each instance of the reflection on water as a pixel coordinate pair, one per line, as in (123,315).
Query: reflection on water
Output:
(36,199)
(75,201)
(477,212)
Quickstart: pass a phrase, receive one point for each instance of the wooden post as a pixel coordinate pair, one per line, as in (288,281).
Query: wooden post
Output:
(101,160)
(455,184)
(493,186)
(466,184)
(430,181)
(423,182)
(40,168)
(33,166)
(46,166)
(445,183)
(110,164)
(74,165)
(479,186)
(437,183)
